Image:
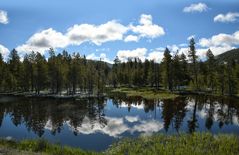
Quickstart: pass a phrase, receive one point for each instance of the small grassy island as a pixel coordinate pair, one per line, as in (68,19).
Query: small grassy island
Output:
(185,144)
(147,93)
(155,94)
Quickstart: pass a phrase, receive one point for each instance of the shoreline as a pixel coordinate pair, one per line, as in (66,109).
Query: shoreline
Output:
(144,92)
(51,96)
(195,143)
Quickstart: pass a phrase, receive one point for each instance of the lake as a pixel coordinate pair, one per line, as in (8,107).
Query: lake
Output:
(94,124)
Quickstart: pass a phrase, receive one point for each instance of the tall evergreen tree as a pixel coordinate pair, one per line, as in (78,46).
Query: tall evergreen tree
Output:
(167,70)
(26,74)
(41,73)
(1,72)
(14,68)
(184,78)
(194,63)
(210,70)
(115,67)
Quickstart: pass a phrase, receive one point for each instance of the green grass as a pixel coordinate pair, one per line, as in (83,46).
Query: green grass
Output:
(146,93)
(41,146)
(185,144)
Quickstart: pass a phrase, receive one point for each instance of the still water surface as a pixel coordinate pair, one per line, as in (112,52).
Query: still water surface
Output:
(94,124)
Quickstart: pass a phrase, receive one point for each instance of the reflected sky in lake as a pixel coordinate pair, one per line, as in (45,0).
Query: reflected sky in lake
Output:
(94,124)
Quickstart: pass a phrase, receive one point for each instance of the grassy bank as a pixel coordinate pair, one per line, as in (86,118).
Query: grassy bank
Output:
(185,144)
(147,93)
(38,147)
(196,144)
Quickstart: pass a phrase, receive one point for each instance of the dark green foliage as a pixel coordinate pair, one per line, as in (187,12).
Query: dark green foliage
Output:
(41,73)
(193,58)
(1,72)
(71,74)
(229,55)
(60,73)
(167,65)
(14,66)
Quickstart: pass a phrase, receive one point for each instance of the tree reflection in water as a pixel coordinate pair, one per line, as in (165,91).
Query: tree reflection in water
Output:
(41,114)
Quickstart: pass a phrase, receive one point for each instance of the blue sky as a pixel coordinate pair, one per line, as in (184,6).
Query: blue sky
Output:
(127,28)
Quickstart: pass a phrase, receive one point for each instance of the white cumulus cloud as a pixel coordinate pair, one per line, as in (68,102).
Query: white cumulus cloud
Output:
(199,7)
(95,34)
(131,38)
(221,39)
(102,57)
(4,51)
(225,18)
(219,43)
(156,55)
(219,49)
(124,55)
(110,31)
(147,28)
(44,40)
(3,17)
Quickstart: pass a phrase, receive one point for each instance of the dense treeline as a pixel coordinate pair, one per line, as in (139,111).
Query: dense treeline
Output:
(179,72)
(69,74)
(60,73)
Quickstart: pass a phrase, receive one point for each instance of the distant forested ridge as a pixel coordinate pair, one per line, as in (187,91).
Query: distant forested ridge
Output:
(229,55)
(70,74)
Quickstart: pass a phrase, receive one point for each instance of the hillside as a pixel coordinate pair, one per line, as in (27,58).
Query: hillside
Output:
(229,55)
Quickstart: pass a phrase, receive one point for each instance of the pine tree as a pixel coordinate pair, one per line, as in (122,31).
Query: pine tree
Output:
(220,77)
(52,67)
(193,60)
(231,79)
(115,71)
(32,69)
(167,70)
(14,68)
(210,70)
(184,78)
(41,73)
(25,74)
(2,65)
(177,72)
(151,74)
